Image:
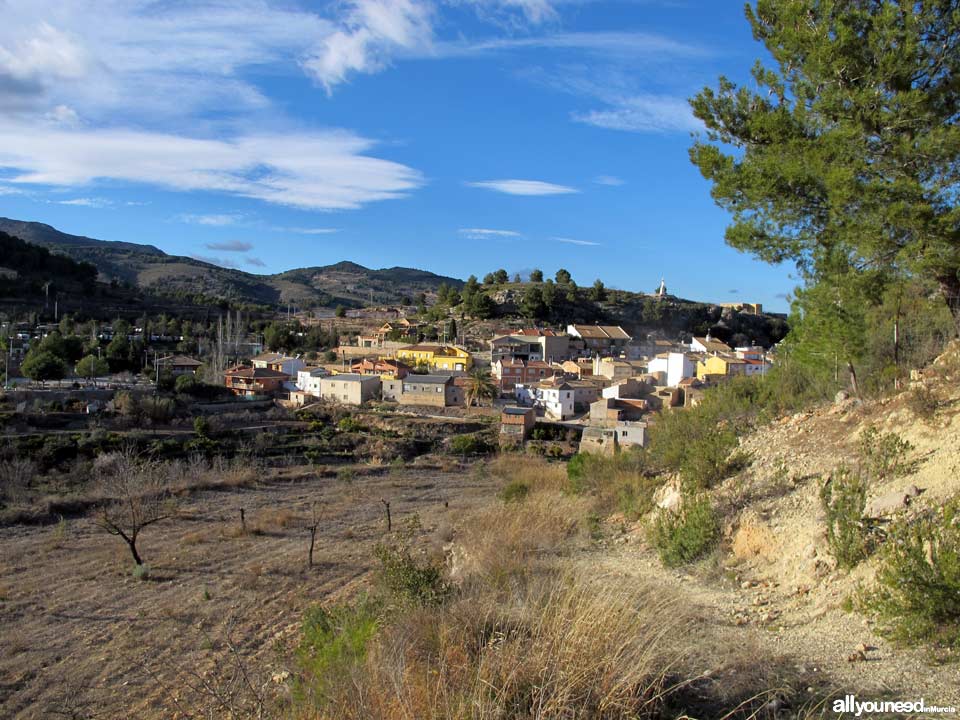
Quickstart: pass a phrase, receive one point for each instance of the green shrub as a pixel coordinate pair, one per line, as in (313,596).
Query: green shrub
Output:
(333,644)
(141,572)
(514,491)
(157,409)
(351,424)
(619,482)
(923,401)
(882,454)
(698,443)
(346,475)
(467,445)
(407,580)
(186,384)
(201,426)
(683,536)
(917,591)
(843,498)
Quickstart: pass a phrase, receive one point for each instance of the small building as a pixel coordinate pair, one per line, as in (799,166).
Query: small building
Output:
(720,366)
(350,388)
(675,366)
(436,357)
(508,372)
(609,440)
(308,379)
(516,423)
(629,388)
(178,365)
(601,339)
(556,399)
(249,381)
(709,345)
(616,368)
(430,390)
(384,367)
(530,345)
(279,362)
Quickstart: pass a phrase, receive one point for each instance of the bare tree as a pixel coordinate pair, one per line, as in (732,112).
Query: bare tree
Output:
(232,687)
(312,529)
(137,496)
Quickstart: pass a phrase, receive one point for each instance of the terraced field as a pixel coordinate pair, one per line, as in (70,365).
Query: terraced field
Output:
(83,638)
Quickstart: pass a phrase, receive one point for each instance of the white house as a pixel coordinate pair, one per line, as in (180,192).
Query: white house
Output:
(708,345)
(350,388)
(280,363)
(756,367)
(557,400)
(308,379)
(676,366)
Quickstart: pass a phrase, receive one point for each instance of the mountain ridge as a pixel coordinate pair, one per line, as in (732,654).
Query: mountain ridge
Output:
(149,268)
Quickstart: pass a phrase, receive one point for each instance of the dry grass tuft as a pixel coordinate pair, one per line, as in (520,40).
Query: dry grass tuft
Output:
(558,648)
(503,542)
(194,537)
(536,473)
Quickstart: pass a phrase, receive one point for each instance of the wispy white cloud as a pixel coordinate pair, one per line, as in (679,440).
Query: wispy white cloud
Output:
(321,170)
(230,246)
(617,44)
(90,202)
(572,241)
(306,230)
(487,233)
(212,220)
(254,262)
(643,113)
(611,180)
(503,12)
(524,187)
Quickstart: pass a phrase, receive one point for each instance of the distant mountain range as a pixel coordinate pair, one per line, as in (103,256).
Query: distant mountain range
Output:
(152,270)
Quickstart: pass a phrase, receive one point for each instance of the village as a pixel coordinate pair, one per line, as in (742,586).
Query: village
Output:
(593,377)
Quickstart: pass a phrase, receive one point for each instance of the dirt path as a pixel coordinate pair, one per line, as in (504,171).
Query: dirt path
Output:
(78,631)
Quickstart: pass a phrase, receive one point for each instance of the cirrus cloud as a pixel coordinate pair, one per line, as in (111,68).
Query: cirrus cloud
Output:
(487,233)
(523,187)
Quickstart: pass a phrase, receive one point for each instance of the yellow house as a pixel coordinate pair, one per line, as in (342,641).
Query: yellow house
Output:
(436,357)
(720,365)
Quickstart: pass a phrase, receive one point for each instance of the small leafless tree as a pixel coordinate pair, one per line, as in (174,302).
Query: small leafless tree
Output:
(136,496)
(234,688)
(15,477)
(312,529)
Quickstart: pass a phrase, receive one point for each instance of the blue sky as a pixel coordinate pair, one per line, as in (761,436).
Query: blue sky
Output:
(456,136)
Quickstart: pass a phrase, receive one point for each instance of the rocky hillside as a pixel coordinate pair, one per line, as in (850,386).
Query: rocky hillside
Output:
(775,583)
(151,269)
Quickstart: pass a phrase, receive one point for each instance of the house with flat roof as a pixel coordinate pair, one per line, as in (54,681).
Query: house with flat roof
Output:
(516,423)
(279,362)
(350,388)
(556,399)
(508,372)
(429,390)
